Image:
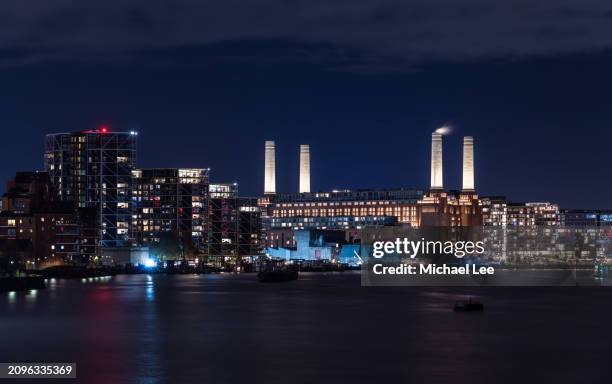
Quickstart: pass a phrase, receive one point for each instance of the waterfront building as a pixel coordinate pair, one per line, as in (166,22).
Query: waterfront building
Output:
(310,245)
(172,202)
(532,214)
(353,210)
(520,215)
(494,211)
(235,230)
(585,218)
(38,229)
(93,169)
(545,213)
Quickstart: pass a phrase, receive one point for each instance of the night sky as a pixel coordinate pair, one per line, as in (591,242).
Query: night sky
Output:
(363,82)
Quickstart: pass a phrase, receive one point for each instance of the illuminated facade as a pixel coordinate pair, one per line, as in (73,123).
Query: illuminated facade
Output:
(171,200)
(354,206)
(235,225)
(93,169)
(584,218)
(304,168)
(36,228)
(468,164)
(439,208)
(450,209)
(270,168)
(437,183)
(545,213)
(532,214)
(494,211)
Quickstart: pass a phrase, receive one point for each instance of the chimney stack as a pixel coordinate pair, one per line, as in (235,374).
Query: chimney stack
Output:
(468,164)
(270,169)
(304,168)
(436,162)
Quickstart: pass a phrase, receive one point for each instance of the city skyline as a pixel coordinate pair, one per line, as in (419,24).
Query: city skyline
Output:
(450,172)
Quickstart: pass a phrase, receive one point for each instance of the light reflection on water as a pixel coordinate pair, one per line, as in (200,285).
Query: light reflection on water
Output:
(32,295)
(226,329)
(150,289)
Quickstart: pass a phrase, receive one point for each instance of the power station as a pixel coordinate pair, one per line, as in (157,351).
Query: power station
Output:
(354,210)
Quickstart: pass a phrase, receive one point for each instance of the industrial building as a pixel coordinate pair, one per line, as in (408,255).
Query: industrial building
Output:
(353,210)
(439,208)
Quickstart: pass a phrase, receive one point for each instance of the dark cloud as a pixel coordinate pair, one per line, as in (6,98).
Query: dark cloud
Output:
(358,33)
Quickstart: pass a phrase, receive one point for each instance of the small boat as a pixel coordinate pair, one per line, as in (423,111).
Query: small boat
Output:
(278,275)
(469,306)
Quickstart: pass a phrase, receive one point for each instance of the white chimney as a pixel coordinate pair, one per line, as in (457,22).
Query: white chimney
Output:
(304,168)
(436,161)
(468,164)
(270,168)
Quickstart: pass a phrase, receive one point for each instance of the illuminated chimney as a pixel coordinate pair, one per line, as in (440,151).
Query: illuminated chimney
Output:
(270,169)
(468,164)
(304,168)
(436,162)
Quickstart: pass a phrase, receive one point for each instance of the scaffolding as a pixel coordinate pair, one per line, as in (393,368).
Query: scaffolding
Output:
(93,169)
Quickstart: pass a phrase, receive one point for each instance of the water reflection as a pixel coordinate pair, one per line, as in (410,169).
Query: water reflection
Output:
(31,296)
(231,329)
(150,288)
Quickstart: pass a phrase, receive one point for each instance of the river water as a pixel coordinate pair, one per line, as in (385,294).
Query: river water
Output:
(323,328)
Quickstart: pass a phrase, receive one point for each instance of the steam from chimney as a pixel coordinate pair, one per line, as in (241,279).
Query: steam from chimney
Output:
(436,160)
(444,130)
(270,168)
(468,164)
(304,168)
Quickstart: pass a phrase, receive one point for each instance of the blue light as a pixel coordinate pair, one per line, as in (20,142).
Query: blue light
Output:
(149,263)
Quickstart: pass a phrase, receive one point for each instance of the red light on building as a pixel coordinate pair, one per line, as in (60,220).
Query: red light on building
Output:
(104,129)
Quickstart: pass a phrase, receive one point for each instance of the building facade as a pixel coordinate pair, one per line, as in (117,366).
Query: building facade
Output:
(532,214)
(235,230)
(93,169)
(36,228)
(171,201)
(494,211)
(585,218)
(351,208)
